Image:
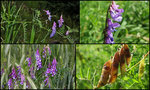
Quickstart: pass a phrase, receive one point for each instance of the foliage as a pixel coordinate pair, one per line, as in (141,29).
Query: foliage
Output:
(14,55)
(134,26)
(26,22)
(91,58)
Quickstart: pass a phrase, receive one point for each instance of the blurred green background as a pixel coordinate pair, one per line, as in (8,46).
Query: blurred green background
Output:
(134,26)
(91,58)
(13,55)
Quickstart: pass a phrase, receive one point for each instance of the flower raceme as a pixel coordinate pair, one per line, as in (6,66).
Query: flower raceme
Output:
(53,30)
(60,21)
(48,13)
(38,60)
(115,14)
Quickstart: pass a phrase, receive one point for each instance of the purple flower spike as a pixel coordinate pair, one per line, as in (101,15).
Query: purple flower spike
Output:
(19,71)
(115,12)
(53,30)
(53,67)
(112,26)
(47,81)
(13,73)
(67,33)
(48,13)
(49,51)
(32,72)
(2,71)
(44,52)
(22,79)
(10,83)
(29,61)
(60,21)
(38,60)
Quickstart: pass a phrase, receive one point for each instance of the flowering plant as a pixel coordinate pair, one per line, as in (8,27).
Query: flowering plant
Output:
(115,14)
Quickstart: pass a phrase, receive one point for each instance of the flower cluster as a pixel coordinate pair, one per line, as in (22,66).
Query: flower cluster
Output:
(51,68)
(15,77)
(38,60)
(29,61)
(44,51)
(115,14)
(60,22)
(48,13)
(18,76)
(53,29)
(31,70)
(67,32)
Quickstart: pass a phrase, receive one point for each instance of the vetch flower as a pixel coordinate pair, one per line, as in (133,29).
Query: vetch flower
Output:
(53,67)
(22,79)
(38,60)
(53,30)
(48,13)
(2,71)
(13,73)
(112,26)
(28,84)
(19,71)
(32,72)
(60,21)
(67,33)
(44,52)
(10,83)
(49,51)
(29,61)
(47,81)
(115,12)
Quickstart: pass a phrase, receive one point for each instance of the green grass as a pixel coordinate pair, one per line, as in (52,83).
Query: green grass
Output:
(134,26)
(23,22)
(15,55)
(91,58)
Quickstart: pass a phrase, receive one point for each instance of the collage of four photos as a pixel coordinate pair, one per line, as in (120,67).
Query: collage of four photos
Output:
(74,44)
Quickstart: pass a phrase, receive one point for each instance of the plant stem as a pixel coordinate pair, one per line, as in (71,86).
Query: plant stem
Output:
(104,31)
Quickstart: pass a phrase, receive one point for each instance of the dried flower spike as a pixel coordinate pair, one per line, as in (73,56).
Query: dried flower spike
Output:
(114,68)
(105,74)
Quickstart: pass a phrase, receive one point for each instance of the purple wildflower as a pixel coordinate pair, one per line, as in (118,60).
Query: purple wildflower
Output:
(32,72)
(112,26)
(2,71)
(48,13)
(53,30)
(49,51)
(10,83)
(53,67)
(67,32)
(44,52)
(28,84)
(115,12)
(38,60)
(60,21)
(29,61)
(19,71)
(47,81)
(13,73)
(22,79)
